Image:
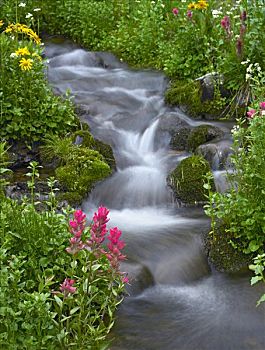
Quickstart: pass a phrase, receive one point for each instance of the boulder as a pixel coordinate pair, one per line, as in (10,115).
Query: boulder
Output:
(187,180)
(139,276)
(202,134)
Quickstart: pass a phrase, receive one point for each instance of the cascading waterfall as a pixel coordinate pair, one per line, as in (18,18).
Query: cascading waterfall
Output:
(187,306)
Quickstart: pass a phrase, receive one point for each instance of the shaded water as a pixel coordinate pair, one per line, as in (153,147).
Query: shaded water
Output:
(188,306)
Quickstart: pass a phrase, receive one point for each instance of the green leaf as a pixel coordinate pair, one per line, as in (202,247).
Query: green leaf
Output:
(74,310)
(253,246)
(261,300)
(58,301)
(255,279)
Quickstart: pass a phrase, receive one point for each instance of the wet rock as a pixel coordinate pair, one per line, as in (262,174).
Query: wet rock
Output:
(172,122)
(187,180)
(216,155)
(202,134)
(209,83)
(139,275)
(174,126)
(20,155)
(179,140)
(222,256)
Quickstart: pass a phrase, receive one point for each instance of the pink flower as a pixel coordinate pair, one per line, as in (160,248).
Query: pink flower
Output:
(251,113)
(99,228)
(243,16)
(79,216)
(67,287)
(225,23)
(239,46)
(125,279)
(189,14)
(262,105)
(175,11)
(115,246)
(77,227)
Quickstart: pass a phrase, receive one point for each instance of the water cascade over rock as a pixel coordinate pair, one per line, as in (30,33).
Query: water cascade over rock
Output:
(181,304)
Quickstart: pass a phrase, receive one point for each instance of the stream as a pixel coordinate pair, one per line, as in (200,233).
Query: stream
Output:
(177,301)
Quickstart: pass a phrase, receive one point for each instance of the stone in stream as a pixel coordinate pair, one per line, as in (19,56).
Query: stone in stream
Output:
(139,276)
(187,180)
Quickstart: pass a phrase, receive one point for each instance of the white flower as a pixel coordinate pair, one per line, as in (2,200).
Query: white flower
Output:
(263,112)
(248,76)
(249,68)
(245,62)
(216,13)
(22,4)
(13,55)
(29,15)
(162,5)
(37,9)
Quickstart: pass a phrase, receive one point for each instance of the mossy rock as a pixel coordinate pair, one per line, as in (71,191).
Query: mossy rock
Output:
(84,168)
(179,140)
(187,180)
(189,94)
(73,198)
(201,135)
(85,138)
(222,255)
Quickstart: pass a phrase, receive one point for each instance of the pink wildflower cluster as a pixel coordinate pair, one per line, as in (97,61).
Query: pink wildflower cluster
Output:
(243,28)
(175,11)
(67,287)
(252,112)
(77,227)
(226,25)
(189,14)
(115,246)
(98,229)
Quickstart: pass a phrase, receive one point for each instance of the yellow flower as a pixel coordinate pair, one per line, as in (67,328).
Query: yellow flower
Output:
(23,51)
(192,6)
(22,28)
(202,5)
(1,23)
(25,64)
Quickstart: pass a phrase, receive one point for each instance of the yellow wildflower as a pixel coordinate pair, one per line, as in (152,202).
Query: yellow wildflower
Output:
(23,51)
(202,5)
(22,28)
(192,6)
(1,23)
(25,64)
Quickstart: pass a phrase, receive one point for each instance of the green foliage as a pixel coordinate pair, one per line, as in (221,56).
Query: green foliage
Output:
(33,265)
(188,179)
(189,94)
(28,108)
(3,166)
(258,267)
(241,209)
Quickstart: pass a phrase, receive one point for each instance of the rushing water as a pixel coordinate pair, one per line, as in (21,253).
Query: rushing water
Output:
(181,303)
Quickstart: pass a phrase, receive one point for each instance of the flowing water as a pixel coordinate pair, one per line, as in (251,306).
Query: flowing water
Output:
(178,302)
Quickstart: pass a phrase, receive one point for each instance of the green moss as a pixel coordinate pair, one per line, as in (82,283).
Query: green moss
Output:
(73,198)
(201,135)
(189,94)
(89,141)
(179,141)
(84,167)
(188,179)
(221,253)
